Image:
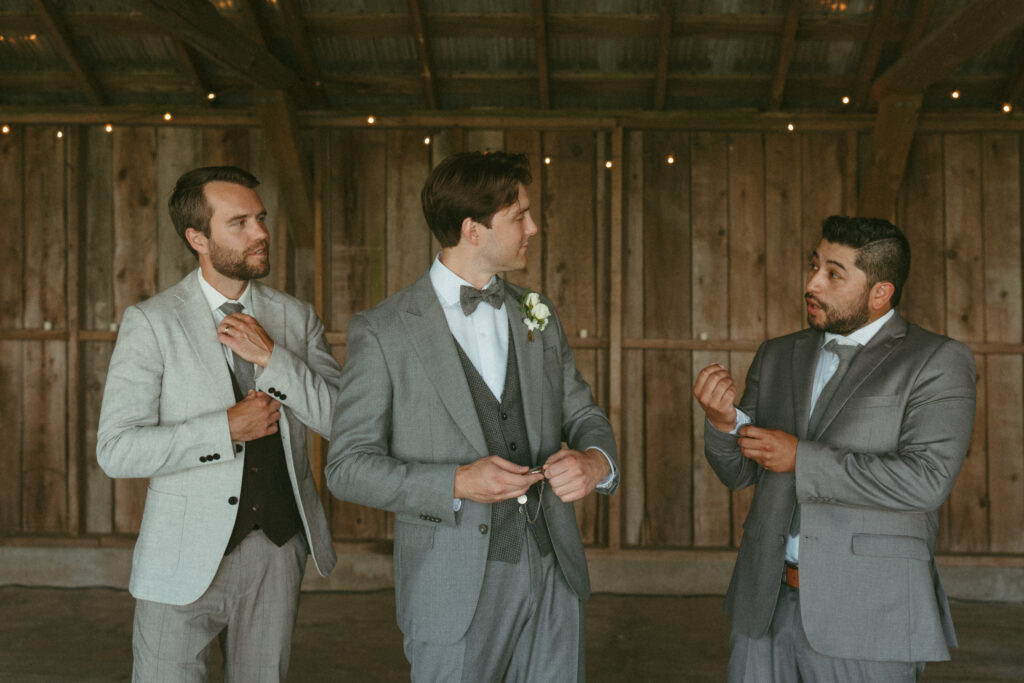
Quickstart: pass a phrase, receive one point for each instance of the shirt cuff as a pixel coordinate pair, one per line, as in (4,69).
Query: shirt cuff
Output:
(742,419)
(456,504)
(610,479)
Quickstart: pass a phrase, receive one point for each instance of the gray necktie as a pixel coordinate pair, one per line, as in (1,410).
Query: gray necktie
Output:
(244,371)
(470,297)
(846,352)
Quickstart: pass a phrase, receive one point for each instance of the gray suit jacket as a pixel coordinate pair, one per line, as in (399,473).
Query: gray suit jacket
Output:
(870,483)
(405,420)
(165,407)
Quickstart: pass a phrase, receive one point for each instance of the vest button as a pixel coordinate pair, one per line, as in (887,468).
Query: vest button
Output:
(233,500)
(512,445)
(483,528)
(238,448)
(504,416)
(254,469)
(256,507)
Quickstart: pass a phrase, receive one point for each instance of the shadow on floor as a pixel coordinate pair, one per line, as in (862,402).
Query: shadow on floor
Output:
(56,635)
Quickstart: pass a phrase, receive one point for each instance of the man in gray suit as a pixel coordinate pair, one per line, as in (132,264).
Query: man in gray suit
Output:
(853,433)
(452,413)
(211,387)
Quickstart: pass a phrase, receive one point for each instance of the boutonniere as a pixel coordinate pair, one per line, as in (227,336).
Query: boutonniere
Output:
(536,312)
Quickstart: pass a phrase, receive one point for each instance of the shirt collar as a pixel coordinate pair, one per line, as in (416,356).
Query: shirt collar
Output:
(861,336)
(447,285)
(215,299)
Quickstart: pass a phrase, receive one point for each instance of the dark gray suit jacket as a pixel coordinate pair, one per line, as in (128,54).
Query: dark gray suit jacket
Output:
(870,483)
(405,420)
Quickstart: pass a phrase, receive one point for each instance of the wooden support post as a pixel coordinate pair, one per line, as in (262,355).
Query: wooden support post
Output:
(890,148)
(277,114)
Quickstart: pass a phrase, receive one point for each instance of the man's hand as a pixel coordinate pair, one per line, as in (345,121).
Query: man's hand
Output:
(246,337)
(253,417)
(574,474)
(715,390)
(772,449)
(493,479)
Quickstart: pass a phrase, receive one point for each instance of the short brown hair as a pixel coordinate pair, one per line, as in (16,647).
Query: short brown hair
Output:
(471,185)
(188,206)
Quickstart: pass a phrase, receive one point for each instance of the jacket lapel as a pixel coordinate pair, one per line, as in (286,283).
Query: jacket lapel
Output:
(864,363)
(530,357)
(196,321)
(434,346)
(805,356)
(269,312)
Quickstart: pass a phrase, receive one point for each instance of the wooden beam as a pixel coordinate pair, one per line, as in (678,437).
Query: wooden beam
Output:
(787,45)
(298,35)
(422,54)
(890,148)
(281,131)
(200,85)
(199,24)
(540,39)
(872,52)
(253,23)
(967,33)
(1015,84)
(664,42)
(918,24)
(63,40)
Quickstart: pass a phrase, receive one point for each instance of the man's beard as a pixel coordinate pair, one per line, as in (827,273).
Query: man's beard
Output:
(844,321)
(234,265)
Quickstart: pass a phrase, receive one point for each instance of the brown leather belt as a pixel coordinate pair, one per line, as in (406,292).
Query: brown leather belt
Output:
(791,577)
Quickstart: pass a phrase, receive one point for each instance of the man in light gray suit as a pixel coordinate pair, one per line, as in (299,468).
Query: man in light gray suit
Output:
(853,433)
(212,405)
(455,400)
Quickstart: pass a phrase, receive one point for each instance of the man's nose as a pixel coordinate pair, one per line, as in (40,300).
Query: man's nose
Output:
(531,226)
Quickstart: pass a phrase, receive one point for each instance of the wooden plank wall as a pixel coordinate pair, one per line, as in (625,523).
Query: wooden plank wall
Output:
(716,228)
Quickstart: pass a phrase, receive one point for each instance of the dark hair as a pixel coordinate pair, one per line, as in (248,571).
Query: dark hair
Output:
(188,206)
(883,252)
(471,185)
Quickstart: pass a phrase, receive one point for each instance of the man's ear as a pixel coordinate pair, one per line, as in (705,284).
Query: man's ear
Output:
(470,231)
(880,296)
(197,240)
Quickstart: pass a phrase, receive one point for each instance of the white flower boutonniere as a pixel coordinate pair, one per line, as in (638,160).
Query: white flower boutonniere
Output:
(536,312)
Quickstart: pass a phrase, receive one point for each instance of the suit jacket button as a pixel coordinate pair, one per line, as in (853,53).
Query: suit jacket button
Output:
(233,500)
(283,396)
(483,528)
(202,458)
(215,456)
(272,390)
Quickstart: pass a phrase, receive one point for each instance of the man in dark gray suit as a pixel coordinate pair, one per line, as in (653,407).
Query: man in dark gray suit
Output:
(456,397)
(853,432)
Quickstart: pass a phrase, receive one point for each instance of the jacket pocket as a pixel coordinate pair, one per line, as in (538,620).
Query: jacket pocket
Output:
(414,535)
(158,549)
(885,545)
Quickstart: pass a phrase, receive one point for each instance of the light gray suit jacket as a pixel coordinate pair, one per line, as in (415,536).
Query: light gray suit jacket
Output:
(870,483)
(405,420)
(165,407)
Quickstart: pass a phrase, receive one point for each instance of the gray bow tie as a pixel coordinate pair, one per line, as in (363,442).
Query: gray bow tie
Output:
(470,297)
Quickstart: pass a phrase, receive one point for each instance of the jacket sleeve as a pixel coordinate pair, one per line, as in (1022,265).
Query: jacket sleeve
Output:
(721,448)
(918,475)
(131,439)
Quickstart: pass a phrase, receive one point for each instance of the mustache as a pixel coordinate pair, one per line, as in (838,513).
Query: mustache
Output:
(262,244)
(810,297)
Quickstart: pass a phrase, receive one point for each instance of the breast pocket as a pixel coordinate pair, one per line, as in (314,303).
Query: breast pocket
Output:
(869,424)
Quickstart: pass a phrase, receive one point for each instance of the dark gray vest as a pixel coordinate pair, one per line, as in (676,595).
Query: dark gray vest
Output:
(504,427)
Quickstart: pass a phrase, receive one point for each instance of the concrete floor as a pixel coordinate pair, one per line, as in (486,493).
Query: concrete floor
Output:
(57,635)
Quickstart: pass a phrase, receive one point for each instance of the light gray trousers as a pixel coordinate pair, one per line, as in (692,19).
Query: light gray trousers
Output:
(250,607)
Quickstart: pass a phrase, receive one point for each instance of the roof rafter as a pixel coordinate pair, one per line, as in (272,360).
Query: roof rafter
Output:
(423,54)
(198,23)
(664,42)
(918,24)
(298,35)
(881,26)
(787,45)
(200,84)
(540,39)
(65,43)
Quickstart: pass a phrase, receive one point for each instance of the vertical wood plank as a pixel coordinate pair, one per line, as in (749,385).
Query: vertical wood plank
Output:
(821,183)
(97,314)
(785,261)
(669,477)
(631,439)
(528,142)
(177,152)
(76,170)
(746,237)
(923,223)
(135,263)
(1005,407)
(408,237)
(44,462)
(964,519)
(226,146)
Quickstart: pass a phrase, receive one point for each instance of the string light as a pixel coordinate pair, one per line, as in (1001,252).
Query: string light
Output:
(846,99)
(371,120)
(5,129)
(955,94)
(607,164)
(167,116)
(211,96)
(426,140)
(60,133)
(790,127)
(547,160)
(671,159)
(109,128)
(1007,108)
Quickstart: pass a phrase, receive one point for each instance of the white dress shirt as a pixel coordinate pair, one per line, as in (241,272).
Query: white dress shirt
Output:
(826,366)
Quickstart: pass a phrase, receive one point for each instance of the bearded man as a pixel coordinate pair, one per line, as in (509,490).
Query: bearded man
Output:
(211,387)
(852,432)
